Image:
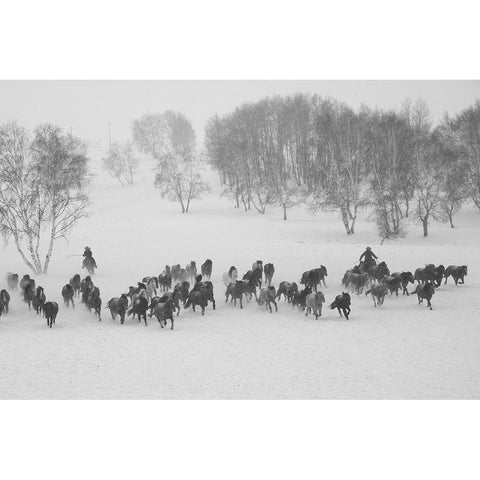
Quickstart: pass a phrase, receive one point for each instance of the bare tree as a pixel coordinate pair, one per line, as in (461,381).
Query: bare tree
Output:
(181,182)
(170,139)
(41,189)
(341,165)
(121,162)
(464,131)
(288,194)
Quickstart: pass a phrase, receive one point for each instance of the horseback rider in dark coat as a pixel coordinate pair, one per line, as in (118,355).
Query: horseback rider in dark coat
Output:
(87,254)
(368,257)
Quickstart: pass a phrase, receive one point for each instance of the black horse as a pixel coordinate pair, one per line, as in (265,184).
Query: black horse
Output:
(356,281)
(312,278)
(342,304)
(165,279)
(405,279)
(29,293)
(457,272)
(197,298)
(425,274)
(181,291)
(94,302)
(90,264)
(166,297)
(140,307)
(75,283)
(4,301)
(288,290)
(50,310)
(300,298)
(25,280)
(393,283)
(164,311)
(206,269)
(68,294)
(235,290)
(375,272)
(425,291)
(39,300)
(269,270)
(118,306)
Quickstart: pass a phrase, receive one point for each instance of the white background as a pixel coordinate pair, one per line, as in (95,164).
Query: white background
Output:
(243,40)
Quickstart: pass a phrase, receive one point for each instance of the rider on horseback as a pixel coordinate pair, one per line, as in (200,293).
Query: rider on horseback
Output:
(368,257)
(88,257)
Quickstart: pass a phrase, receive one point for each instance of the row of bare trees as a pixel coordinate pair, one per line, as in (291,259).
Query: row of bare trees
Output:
(307,149)
(43,176)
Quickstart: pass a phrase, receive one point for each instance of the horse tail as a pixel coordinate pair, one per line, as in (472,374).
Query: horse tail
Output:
(188,302)
(367,292)
(129,312)
(333,305)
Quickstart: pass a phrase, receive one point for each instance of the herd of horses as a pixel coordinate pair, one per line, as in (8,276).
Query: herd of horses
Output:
(163,296)
(378,281)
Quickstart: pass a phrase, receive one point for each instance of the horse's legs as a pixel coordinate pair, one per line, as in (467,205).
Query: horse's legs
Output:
(339,311)
(213,301)
(241,303)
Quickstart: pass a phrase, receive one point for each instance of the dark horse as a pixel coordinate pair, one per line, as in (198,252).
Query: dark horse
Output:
(405,279)
(29,293)
(4,301)
(425,274)
(118,306)
(457,272)
(140,307)
(425,290)
(90,264)
(235,290)
(163,311)
(206,269)
(67,294)
(75,283)
(375,272)
(39,300)
(51,310)
(268,270)
(312,278)
(342,304)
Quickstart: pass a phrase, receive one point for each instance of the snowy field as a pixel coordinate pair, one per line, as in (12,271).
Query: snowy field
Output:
(400,350)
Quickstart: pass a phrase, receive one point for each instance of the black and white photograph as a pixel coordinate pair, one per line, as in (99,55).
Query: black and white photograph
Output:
(277,239)
(239,240)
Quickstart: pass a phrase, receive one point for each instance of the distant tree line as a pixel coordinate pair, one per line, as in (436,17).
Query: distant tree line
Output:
(318,151)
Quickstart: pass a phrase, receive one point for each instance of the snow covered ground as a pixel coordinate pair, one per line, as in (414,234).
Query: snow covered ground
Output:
(400,350)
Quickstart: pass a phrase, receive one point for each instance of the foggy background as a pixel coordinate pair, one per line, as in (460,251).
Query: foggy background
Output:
(96,110)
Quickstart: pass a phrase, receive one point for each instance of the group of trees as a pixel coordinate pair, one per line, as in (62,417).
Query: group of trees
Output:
(170,140)
(43,176)
(289,150)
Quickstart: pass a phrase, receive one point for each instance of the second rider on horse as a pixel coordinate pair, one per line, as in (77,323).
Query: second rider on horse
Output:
(368,257)
(88,258)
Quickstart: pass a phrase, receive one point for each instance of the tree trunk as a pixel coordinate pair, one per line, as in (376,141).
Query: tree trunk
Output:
(25,259)
(50,247)
(425,226)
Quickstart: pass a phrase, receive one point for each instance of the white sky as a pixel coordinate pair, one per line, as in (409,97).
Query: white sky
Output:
(87,106)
